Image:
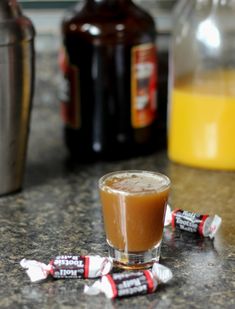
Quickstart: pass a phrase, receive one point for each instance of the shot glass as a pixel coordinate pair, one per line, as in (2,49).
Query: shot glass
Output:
(134,204)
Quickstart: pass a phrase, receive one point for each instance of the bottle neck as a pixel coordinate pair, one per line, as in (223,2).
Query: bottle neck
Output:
(9,9)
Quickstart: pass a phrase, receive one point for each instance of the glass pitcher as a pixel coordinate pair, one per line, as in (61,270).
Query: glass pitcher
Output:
(201,111)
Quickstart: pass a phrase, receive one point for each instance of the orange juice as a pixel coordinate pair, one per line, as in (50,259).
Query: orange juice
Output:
(202,121)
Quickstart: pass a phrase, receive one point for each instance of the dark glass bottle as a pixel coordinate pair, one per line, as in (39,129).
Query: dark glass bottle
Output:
(109,64)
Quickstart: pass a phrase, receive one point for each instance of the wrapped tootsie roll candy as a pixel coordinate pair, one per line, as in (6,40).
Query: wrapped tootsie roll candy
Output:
(204,225)
(118,285)
(68,266)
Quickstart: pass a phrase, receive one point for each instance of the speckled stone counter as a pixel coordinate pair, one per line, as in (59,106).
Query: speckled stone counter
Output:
(58,212)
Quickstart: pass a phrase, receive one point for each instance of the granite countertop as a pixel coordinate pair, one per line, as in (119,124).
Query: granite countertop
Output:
(58,212)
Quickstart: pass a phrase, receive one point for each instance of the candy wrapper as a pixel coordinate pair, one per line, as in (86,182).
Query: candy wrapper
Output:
(204,225)
(66,266)
(125,284)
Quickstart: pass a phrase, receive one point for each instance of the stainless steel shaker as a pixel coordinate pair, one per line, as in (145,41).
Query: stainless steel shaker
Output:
(16,91)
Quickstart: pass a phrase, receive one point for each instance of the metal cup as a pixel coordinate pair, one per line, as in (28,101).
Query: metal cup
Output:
(16,91)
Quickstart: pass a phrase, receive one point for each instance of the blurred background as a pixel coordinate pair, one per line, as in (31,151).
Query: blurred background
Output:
(47,15)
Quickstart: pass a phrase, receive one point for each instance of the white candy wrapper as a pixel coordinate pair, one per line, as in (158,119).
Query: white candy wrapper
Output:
(126,284)
(204,225)
(68,266)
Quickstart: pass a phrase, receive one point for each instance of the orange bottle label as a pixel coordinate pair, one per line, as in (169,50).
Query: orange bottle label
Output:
(69,92)
(143,85)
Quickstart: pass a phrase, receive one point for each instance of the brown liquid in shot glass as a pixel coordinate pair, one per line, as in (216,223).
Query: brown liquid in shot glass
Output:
(134,209)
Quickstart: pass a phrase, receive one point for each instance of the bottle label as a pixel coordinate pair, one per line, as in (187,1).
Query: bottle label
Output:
(69,92)
(143,85)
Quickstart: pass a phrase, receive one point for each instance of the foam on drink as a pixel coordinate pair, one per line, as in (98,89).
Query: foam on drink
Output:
(136,182)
